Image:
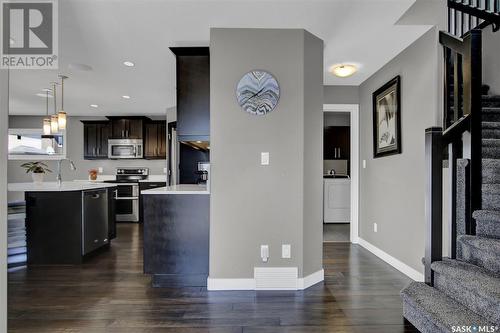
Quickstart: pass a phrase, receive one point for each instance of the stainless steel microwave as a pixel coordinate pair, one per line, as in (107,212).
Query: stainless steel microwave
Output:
(125,148)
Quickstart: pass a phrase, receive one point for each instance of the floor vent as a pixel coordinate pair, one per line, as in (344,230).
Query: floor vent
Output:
(275,278)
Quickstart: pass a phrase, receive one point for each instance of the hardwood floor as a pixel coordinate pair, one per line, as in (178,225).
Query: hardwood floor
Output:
(109,293)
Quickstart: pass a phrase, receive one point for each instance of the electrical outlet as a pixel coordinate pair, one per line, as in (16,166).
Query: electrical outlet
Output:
(286,251)
(264,252)
(100,170)
(264,158)
(375,227)
(165,170)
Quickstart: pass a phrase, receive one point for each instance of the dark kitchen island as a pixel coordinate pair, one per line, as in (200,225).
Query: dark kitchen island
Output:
(66,223)
(176,235)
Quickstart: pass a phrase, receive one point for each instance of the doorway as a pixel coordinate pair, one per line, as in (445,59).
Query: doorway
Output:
(341,173)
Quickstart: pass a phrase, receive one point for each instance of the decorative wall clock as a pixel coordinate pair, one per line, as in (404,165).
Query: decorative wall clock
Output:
(258,92)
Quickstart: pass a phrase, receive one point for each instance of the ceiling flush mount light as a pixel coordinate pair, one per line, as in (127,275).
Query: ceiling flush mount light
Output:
(343,70)
(126,96)
(94,106)
(61,115)
(129,63)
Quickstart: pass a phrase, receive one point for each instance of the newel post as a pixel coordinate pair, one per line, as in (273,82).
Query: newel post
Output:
(433,199)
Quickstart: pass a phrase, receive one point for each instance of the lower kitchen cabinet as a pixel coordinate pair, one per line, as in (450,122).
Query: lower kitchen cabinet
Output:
(147,186)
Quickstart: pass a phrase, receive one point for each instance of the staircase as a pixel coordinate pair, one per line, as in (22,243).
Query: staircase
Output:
(466,290)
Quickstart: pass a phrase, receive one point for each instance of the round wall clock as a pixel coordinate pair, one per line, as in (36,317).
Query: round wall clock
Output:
(258,92)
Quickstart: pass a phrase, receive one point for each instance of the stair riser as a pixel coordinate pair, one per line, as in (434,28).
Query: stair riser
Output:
(491,175)
(419,320)
(489,229)
(479,303)
(494,117)
(474,256)
(491,201)
(491,133)
(491,152)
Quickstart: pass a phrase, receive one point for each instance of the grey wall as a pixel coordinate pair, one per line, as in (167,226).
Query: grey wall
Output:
(341,94)
(74,152)
(253,204)
(4,121)
(491,60)
(313,153)
(400,218)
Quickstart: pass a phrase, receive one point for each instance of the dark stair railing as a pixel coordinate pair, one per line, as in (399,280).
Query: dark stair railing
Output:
(466,15)
(462,113)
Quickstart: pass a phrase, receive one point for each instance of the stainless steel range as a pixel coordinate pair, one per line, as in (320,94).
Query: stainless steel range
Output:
(127,194)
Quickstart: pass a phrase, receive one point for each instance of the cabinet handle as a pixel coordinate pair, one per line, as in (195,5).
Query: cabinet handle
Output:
(94,151)
(98,150)
(105,240)
(96,241)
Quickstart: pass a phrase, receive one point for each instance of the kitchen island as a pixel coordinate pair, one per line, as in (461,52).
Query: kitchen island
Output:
(176,235)
(66,222)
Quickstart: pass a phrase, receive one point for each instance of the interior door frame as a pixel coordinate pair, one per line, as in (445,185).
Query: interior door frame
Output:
(353,110)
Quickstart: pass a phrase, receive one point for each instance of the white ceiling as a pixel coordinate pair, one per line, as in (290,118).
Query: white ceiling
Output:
(104,33)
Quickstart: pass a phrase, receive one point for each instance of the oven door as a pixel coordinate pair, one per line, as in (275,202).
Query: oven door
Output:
(127,203)
(119,151)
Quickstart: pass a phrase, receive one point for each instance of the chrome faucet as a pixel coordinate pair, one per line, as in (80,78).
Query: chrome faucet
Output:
(59,163)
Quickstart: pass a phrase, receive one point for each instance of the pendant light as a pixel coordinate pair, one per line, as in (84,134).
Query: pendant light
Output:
(46,121)
(54,122)
(61,115)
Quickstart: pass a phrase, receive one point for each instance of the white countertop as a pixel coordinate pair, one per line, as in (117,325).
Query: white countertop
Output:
(179,189)
(54,187)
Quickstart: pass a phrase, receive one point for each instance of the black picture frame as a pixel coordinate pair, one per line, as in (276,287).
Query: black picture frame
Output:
(387,101)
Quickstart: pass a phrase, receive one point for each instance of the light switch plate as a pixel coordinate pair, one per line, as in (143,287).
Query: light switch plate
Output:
(286,251)
(264,252)
(165,170)
(264,158)
(100,170)
(375,227)
(364,164)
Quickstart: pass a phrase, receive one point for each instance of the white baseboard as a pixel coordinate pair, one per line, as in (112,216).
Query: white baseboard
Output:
(249,284)
(310,280)
(396,263)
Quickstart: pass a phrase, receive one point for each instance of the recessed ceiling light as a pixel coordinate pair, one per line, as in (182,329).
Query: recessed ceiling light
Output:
(44,95)
(129,63)
(343,70)
(126,96)
(94,105)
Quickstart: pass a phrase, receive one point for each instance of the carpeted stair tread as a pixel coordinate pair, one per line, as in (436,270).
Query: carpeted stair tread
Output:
(491,111)
(487,223)
(429,310)
(476,288)
(491,152)
(480,251)
(491,142)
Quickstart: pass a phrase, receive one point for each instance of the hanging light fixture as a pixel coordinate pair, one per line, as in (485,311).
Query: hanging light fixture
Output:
(54,121)
(61,115)
(46,121)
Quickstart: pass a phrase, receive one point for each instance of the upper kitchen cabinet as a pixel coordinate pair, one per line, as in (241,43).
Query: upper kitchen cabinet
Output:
(193,93)
(95,139)
(127,127)
(155,140)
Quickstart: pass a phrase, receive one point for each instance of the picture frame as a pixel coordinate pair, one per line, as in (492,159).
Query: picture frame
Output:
(387,119)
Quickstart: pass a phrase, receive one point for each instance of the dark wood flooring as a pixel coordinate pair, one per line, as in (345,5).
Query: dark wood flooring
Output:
(109,293)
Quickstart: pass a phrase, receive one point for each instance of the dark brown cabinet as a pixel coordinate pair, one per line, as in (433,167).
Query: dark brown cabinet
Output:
(155,140)
(95,139)
(336,143)
(127,128)
(193,93)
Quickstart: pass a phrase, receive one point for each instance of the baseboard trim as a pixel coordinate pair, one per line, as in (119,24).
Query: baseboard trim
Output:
(310,280)
(396,263)
(214,284)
